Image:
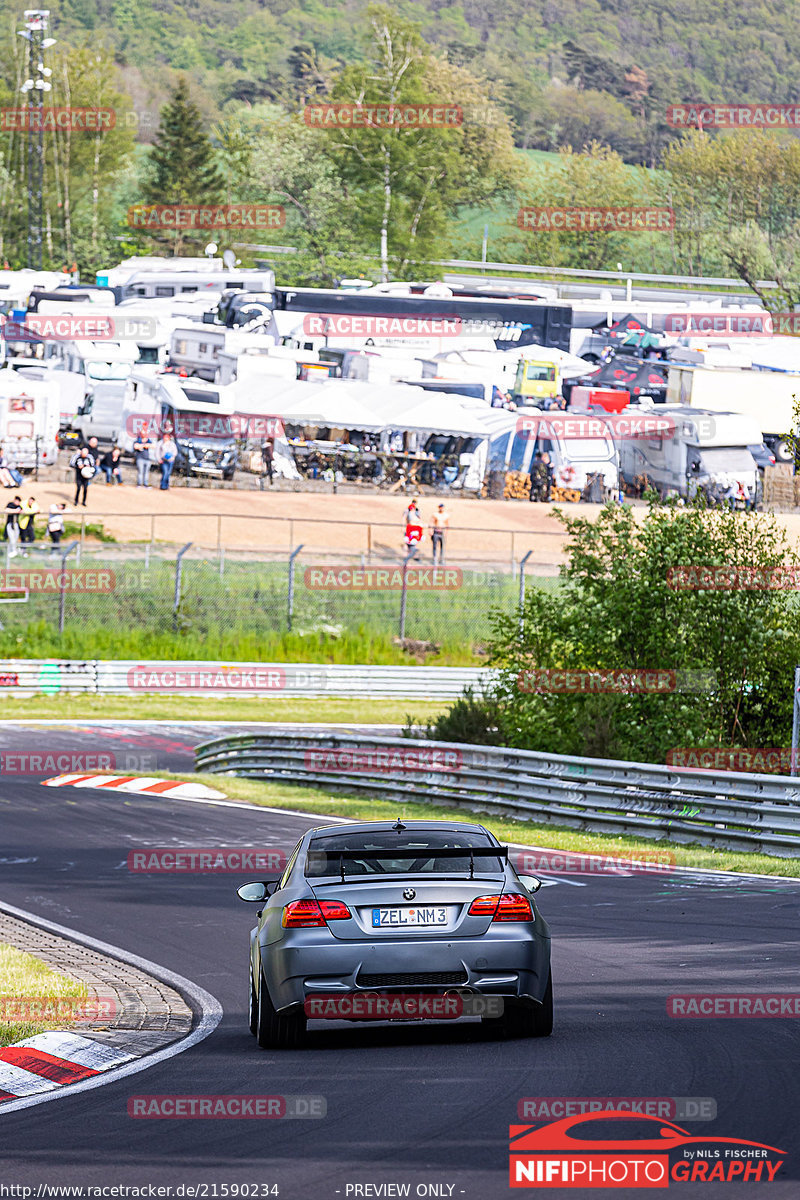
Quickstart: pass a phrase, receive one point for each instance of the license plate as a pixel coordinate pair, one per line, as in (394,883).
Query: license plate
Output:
(403,917)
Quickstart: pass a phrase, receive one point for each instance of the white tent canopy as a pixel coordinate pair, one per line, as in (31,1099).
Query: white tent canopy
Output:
(351,404)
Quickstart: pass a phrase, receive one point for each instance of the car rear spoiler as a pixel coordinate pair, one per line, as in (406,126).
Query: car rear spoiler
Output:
(411,852)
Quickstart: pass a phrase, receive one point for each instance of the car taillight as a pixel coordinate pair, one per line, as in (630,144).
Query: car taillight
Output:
(311,914)
(511,906)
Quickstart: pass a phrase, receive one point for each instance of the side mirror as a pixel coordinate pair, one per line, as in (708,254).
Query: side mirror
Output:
(530,882)
(254,893)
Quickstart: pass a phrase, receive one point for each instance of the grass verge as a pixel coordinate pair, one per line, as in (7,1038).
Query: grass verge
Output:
(358,808)
(29,991)
(326,710)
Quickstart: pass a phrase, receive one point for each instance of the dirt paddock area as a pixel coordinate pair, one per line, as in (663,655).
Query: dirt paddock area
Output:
(366,526)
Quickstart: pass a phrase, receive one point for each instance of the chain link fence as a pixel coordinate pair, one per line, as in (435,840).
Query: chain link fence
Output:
(109,601)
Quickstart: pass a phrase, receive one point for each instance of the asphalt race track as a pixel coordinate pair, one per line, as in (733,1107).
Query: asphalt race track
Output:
(406,1104)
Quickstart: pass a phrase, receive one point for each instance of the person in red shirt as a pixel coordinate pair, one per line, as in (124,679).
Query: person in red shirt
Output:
(414,529)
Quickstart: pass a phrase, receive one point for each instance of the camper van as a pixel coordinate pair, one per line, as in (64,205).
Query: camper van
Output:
(768,397)
(16,286)
(29,420)
(163,277)
(98,362)
(701,451)
(197,413)
(195,350)
(579,446)
(100,415)
(71,385)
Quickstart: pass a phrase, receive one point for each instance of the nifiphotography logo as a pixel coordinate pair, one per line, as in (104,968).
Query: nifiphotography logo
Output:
(582,1152)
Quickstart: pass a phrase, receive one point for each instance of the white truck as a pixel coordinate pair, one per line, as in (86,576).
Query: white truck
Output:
(766,396)
(700,451)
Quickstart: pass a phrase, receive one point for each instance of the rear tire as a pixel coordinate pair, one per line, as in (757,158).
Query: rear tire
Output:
(520,1020)
(274,1030)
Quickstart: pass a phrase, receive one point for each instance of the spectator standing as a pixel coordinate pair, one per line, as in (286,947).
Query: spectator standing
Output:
(413,535)
(547,477)
(268,456)
(169,452)
(83,464)
(27,528)
(55,525)
(94,450)
(439,527)
(111,466)
(13,509)
(141,454)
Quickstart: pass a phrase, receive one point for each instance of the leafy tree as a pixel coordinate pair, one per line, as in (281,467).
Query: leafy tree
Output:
(289,165)
(598,178)
(403,181)
(617,611)
(81,167)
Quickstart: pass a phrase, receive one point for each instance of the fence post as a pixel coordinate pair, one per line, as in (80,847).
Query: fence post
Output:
(513,560)
(522,562)
(404,592)
(178,576)
(290,593)
(795,720)
(63,590)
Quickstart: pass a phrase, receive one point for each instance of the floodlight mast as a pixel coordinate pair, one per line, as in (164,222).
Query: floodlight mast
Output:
(34,89)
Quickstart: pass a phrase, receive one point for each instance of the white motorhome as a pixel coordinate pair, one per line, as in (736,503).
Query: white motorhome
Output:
(164,277)
(768,397)
(195,349)
(16,286)
(700,451)
(71,385)
(197,413)
(29,420)
(579,447)
(98,362)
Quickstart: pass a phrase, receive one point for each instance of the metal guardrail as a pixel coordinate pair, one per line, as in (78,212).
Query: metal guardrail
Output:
(26,676)
(691,281)
(724,810)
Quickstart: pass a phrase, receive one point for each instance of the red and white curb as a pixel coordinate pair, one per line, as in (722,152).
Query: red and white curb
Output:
(139,785)
(83,1064)
(48,1061)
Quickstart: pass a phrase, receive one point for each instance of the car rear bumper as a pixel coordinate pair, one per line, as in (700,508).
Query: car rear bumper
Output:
(507,963)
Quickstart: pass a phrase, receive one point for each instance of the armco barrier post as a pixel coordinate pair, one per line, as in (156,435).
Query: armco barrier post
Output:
(290,592)
(404,592)
(795,720)
(62,589)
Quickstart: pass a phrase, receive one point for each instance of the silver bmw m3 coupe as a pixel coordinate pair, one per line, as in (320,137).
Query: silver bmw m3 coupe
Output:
(369,914)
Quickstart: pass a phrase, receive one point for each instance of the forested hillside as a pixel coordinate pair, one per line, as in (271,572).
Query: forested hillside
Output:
(210,101)
(564,72)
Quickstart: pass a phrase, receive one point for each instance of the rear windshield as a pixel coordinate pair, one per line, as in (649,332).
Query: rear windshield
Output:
(372,854)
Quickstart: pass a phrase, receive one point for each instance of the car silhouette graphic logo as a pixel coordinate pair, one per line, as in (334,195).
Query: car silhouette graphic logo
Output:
(572,1153)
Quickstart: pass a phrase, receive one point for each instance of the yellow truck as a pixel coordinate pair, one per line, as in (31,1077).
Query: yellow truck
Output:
(535,381)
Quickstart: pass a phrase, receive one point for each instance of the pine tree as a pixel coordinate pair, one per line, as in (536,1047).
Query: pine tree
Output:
(182,163)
